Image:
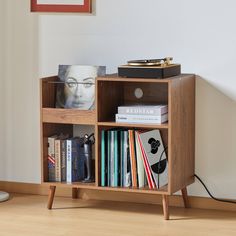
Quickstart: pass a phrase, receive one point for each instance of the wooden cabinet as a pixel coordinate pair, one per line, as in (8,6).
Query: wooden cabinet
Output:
(112,91)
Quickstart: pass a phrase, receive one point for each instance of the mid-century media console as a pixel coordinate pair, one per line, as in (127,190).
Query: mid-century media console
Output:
(112,91)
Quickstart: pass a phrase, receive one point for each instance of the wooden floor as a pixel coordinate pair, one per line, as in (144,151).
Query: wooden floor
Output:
(26,215)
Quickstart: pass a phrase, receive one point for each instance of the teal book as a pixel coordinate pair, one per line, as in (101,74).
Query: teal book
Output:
(108,157)
(112,158)
(116,165)
(121,158)
(103,156)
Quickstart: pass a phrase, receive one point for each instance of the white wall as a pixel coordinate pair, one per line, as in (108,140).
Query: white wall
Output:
(198,34)
(2,164)
(21,93)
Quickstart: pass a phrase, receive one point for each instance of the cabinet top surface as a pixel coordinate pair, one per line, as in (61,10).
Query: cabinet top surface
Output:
(115,77)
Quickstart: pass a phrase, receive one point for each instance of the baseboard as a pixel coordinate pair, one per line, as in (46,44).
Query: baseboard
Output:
(38,189)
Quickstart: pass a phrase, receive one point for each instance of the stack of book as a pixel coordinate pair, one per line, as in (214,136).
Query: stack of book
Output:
(146,114)
(65,159)
(133,158)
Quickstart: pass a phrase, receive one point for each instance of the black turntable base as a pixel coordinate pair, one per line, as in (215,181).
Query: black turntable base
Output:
(159,72)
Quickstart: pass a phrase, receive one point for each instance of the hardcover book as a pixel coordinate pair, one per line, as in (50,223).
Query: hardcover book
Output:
(80,158)
(63,160)
(57,160)
(51,158)
(132,158)
(68,160)
(125,171)
(58,156)
(103,159)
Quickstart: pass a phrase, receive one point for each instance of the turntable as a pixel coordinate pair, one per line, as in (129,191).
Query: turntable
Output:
(150,68)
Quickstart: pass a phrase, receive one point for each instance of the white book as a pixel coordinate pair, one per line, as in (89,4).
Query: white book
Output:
(155,110)
(145,119)
(68,160)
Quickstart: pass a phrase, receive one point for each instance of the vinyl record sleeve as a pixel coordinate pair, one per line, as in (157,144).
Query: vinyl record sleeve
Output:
(153,147)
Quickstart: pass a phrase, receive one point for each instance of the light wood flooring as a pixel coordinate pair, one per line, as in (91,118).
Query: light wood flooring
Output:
(26,215)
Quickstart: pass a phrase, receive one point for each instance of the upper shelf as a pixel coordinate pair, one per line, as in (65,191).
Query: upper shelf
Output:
(68,116)
(139,125)
(115,77)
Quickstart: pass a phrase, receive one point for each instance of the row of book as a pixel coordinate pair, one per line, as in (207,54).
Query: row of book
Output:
(65,159)
(146,114)
(133,158)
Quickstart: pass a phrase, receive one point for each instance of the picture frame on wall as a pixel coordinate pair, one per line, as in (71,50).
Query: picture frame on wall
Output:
(84,6)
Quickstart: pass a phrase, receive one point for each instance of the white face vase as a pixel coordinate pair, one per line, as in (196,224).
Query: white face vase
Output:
(80,87)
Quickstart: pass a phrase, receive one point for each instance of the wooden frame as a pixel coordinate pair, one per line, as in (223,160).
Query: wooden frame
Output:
(84,6)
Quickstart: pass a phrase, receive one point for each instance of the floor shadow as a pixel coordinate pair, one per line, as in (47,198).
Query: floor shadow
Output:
(176,213)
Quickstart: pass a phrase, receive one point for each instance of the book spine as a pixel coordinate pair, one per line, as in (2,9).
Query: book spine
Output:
(81,159)
(132,159)
(74,160)
(126,161)
(146,119)
(51,159)
(112,158)
(116,158)
(58,160)
(156,111)
(68,162)
(108,157)
(63,160)
(121,158)
(103,153)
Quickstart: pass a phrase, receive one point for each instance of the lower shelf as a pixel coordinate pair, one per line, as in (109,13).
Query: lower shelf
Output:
(93,186)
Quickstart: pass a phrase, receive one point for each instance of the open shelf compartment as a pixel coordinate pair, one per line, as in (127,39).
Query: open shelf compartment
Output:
(51,114)
(164,136)
(50,129)
(114,93)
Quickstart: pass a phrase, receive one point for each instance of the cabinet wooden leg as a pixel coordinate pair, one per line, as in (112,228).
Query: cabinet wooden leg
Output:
(74,193)
(165,203)
(52,190)
(185,197)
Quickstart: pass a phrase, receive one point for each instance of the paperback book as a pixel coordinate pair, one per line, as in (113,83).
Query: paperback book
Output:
(145,119)
(154,110)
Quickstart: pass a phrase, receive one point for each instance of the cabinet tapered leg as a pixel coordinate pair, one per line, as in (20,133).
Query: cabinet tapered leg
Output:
(52,190)
(74,193)
(165,203)
(185,197)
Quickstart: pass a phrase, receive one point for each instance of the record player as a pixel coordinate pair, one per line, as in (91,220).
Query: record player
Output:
(150,68)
